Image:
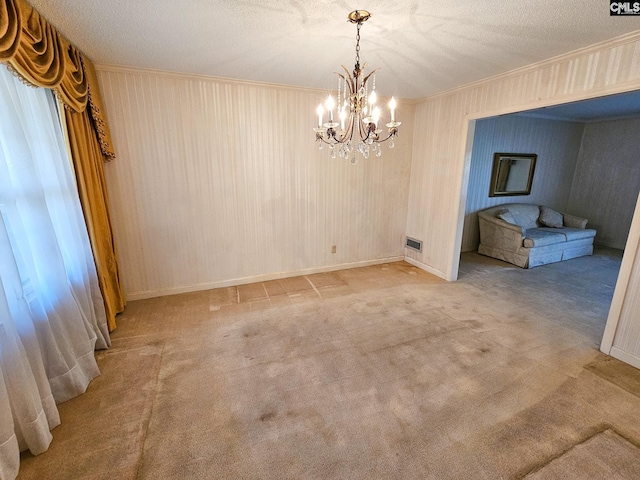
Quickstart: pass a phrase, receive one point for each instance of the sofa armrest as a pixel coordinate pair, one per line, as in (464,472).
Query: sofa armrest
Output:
(500,234)
(498,222)
(572,221)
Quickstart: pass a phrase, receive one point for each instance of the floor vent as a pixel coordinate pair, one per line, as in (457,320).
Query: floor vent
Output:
(414,244)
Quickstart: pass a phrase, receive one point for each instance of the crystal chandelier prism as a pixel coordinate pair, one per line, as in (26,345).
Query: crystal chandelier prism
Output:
(353,123)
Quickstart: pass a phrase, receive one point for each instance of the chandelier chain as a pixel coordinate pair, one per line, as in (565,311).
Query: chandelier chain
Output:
(358,47)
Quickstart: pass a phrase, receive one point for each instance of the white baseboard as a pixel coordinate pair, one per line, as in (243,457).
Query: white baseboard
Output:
(625,357)
(260,278)
(426,268)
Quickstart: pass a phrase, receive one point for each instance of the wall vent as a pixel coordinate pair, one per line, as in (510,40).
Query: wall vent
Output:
(414,244)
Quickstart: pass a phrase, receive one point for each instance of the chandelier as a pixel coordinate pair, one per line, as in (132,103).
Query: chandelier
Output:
(353,123)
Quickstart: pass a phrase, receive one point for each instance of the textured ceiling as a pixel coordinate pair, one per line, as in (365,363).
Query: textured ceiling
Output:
(422,47)
(611,107)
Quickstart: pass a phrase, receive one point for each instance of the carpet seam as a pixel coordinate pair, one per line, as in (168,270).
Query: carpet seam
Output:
(601,429)
(147,421)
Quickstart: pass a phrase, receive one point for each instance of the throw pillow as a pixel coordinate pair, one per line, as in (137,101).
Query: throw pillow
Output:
(572,221)
(550,217)
(505,215)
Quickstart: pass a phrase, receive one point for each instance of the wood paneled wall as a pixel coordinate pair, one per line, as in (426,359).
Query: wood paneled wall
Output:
(557,145)
(219,182)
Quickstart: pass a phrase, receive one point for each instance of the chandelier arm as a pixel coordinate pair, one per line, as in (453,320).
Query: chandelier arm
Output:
(329,136)
(348,79)
(344,133)
(323,140)
(363,130)
(370,73)
(348,134)
(391,134)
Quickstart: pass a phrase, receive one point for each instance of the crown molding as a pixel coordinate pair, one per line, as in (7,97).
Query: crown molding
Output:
(110,68)
(596,47)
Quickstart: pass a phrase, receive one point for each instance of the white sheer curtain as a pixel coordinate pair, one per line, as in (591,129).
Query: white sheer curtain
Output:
(51,310)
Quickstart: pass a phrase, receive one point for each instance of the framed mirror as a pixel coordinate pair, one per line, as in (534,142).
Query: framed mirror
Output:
(512,174)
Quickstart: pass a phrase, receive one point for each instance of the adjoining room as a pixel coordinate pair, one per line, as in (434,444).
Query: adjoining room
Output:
(586,166)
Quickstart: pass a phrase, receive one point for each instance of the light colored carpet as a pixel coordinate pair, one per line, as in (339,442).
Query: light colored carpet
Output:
(378,372)
(604,456)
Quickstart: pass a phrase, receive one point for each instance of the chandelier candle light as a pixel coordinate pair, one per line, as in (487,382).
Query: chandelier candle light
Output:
(356,110)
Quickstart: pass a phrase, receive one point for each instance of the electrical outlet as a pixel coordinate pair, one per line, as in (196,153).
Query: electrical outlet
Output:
(333,249)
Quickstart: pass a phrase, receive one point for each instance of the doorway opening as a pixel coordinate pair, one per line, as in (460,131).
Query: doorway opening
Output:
(584,168)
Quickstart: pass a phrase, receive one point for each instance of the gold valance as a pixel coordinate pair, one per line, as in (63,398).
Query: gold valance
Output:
(43,57)
(10,26)
(35,51)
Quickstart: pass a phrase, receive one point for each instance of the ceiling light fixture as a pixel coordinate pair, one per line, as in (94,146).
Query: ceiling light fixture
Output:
(356,110)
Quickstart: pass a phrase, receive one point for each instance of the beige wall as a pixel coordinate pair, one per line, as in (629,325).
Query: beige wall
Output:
(220,182)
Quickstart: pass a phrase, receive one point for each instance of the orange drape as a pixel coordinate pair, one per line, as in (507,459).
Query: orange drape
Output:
(93,196)
(41,56)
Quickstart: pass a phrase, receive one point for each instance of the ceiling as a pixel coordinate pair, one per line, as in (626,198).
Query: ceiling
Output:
(422,47)
(611,107)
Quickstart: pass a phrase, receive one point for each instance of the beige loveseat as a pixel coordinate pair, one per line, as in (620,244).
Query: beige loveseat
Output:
(531,235)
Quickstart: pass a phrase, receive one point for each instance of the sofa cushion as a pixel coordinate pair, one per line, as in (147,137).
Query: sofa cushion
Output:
(570,233)
(538,237)
(550,218)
